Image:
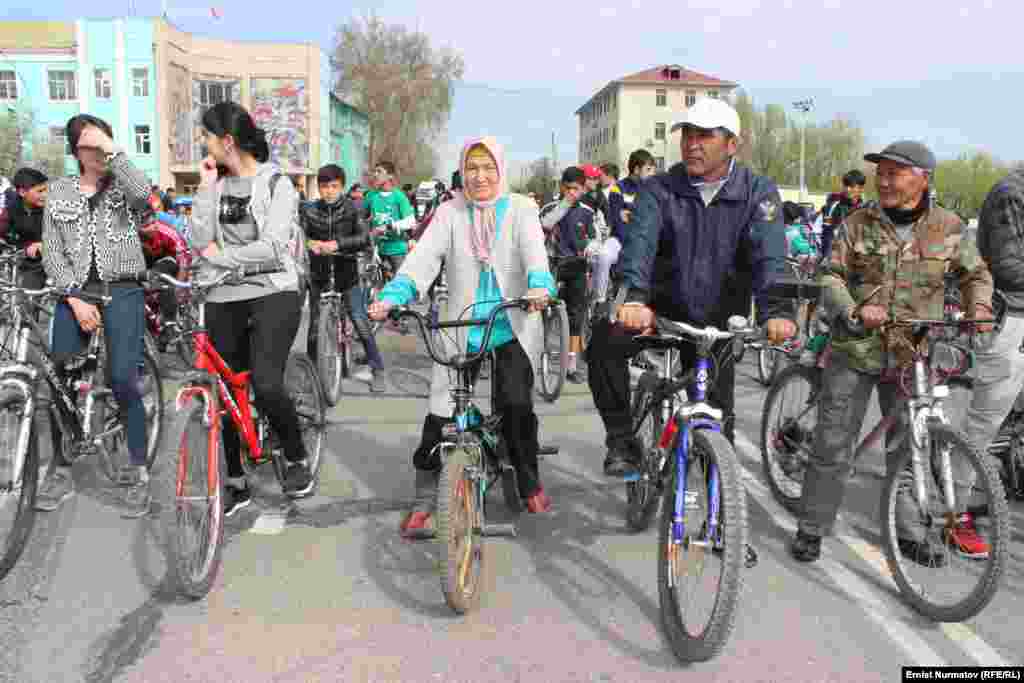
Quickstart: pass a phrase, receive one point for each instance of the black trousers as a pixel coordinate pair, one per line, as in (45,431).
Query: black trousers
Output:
(610,349)
(512,387)
(264,349)
(573,273)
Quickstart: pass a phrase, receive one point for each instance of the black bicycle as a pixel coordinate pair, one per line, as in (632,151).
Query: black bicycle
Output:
(82,408)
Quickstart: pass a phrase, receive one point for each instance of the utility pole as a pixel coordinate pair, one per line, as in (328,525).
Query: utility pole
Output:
(804,106)
(554,161)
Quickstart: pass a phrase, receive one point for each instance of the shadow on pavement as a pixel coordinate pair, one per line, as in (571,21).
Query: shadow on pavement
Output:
(564,547)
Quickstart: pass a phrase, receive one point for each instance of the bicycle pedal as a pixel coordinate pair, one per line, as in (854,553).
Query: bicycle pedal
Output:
(504,529)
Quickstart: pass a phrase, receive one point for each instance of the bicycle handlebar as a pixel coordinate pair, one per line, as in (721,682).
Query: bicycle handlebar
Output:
(460,361)
(60,292)
(738,327)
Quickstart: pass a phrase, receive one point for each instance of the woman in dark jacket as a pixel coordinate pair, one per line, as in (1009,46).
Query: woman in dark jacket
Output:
(91,241)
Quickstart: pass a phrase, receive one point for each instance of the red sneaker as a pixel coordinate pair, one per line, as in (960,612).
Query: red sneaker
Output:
(538,502)
(964,538)
(417,525)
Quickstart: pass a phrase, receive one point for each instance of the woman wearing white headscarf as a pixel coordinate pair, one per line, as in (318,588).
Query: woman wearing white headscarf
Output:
(493,249)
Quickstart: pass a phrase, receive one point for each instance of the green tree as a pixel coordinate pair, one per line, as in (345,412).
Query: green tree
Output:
(403,84)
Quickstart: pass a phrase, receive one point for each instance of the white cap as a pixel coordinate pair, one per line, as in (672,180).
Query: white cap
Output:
(709,113)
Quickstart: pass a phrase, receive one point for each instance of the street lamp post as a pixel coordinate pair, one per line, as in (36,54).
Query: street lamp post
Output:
(804,106)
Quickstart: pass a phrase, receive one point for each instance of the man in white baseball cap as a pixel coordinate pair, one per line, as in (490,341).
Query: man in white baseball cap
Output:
(705,237)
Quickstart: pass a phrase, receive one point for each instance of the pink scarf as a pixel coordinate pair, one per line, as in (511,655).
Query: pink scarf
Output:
(484,227)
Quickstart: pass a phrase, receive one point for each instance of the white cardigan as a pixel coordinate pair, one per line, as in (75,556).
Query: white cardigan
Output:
(518,251)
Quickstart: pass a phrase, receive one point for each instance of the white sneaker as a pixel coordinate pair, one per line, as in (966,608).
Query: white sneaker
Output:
(363,375)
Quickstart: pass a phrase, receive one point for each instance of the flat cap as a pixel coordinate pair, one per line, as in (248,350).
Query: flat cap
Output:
(905,152)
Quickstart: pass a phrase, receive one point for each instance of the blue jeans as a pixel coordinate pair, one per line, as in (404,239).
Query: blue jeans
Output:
(123,330)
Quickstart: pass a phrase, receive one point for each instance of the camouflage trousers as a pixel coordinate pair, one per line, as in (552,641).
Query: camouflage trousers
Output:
(843,404)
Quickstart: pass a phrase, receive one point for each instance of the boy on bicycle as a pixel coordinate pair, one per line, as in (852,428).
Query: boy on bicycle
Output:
(575,222)
(334,232)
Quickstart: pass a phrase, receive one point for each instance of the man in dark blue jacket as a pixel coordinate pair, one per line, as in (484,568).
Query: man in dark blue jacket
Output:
(703,238)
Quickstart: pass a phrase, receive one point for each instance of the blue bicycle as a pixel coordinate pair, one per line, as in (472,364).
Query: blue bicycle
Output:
(703,529)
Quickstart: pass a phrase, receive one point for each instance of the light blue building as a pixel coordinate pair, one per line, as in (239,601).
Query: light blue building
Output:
(51,71)
(152,82)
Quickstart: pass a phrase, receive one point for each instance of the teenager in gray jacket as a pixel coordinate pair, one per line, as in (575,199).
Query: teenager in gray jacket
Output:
(243,219)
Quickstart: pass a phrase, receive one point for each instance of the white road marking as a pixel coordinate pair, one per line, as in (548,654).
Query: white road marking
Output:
(269,524)
(965,638)
(864,596)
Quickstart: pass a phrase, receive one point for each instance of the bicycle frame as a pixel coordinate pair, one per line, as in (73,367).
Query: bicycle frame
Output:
(233,390)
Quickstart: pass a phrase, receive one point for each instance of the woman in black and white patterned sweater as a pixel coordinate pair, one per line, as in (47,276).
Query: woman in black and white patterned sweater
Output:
(91,240)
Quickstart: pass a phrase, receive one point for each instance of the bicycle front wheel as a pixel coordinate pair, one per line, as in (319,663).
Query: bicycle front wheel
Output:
(705,567)
(329,352)
(942,577)
(198,531)
(642,495)
(17,485)
(552,366)
(459,533)
(788,422)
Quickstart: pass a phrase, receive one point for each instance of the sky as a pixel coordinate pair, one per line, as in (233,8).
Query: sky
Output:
(947,72)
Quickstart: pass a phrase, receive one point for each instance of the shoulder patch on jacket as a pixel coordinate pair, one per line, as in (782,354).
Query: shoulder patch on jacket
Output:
(767,209)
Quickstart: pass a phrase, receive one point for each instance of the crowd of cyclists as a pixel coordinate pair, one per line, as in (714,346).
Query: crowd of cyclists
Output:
(697,243)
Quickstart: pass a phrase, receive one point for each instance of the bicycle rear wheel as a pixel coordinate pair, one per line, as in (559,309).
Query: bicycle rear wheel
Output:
(329,361)
(693,639)
(108,425)
(198,531)
(17,488)
(303,387)
(953,587)
(552,366)
(788,421)
(459,533)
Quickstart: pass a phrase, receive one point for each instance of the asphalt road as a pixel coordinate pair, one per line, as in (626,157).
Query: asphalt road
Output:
(325,590)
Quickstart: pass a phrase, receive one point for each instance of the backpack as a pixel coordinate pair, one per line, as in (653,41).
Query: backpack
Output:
(297,243)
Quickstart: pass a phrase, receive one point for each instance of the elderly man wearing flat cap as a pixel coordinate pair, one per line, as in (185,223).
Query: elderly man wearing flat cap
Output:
(896,254)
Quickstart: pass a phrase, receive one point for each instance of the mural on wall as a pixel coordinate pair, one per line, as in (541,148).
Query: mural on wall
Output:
(179,115)
(208,90)
(280,107)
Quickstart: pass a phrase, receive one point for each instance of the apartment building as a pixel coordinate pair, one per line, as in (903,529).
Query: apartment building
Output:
(637,111)
(153,82)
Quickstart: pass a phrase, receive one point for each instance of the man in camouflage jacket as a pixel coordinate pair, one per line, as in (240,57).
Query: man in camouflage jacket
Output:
(896,253)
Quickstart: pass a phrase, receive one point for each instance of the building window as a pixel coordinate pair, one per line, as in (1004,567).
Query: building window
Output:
(660,162)
(8,85)
(63,86)
(691,98)
(103,83)
(140,82)
(713,93)
(142,140)
(659,131)
(58,136)
(661,98)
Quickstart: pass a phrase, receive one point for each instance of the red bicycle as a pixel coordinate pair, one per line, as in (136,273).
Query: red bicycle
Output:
(208,392)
